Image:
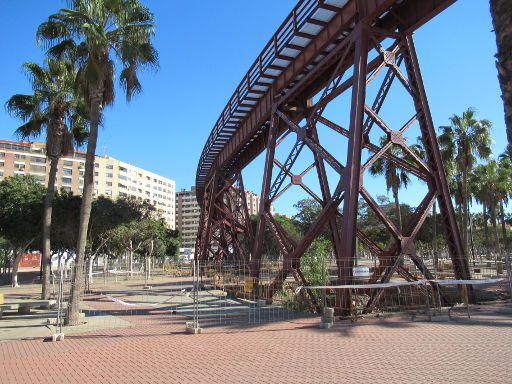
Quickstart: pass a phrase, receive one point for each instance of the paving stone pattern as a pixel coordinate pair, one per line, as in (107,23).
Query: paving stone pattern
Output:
(157,350)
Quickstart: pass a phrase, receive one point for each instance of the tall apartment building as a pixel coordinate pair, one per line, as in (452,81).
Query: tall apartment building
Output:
(112,178)
(188,213)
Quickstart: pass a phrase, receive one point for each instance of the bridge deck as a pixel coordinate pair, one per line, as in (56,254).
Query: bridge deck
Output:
(287,65)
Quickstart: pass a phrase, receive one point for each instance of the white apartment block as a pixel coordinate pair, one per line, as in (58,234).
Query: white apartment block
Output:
(112,178)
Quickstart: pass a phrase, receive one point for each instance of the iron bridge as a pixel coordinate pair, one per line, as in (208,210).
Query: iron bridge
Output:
(324,50)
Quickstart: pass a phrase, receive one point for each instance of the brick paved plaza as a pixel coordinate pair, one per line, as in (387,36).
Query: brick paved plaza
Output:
(156,350)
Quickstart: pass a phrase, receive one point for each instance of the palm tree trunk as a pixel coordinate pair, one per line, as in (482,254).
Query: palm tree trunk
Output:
(486,229)
(471,240)
(459,215)
(73,312)
(47,224)
(465,212)
(494,226)
(501,12)
(503,226)
(397,207)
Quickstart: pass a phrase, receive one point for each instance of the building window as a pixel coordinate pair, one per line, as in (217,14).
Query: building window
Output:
(19,167)
(2,163)
(66,180)
(35,159)
(110,166)
(96,173)
(38,168)
(96,165)
(66,188)
(20,157)
(2,154)
(109,183)
(36,150)
(108,193)
(1,173)
(68,163)
(67,171)
(109,175)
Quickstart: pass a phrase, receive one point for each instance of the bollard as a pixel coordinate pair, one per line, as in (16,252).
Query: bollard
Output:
(327,320)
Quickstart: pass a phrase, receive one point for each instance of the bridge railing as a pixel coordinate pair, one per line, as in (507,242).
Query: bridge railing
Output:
(264,67)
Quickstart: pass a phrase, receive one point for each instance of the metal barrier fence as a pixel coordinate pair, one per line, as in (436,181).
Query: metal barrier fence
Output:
(226,293)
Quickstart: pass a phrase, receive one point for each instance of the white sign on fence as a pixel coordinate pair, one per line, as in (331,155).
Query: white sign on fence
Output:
(361,271)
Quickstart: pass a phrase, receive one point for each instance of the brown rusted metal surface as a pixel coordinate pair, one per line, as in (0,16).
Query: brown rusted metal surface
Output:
(276,99)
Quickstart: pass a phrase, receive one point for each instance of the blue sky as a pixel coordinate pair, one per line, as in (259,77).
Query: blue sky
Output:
(206,47)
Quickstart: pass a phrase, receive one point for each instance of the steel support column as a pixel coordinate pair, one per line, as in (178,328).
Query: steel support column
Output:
(352,177)
(264,198)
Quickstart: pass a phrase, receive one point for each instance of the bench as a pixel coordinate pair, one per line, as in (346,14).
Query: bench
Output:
(23,306)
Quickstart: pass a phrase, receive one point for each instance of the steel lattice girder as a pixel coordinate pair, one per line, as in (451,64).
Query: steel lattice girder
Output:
(216,239)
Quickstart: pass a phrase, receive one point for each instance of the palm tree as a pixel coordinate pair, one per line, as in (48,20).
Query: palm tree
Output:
(395,176)
(464,141)
(491,185)
(51,109)
(478,182)
(504,192)
(94,32)
(501,11)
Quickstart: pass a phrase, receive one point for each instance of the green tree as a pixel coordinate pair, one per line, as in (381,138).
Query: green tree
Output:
(491,186)
(66,211)
(52,109)
(108,214)
(95,33)
(271,248)
(308,211)
(395,176)
(5,252)
(478,188)
(501,11)
(503,193)
(462,143)
(21,211)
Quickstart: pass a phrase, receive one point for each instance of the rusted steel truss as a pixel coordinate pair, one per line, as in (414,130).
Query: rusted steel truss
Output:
(226,232)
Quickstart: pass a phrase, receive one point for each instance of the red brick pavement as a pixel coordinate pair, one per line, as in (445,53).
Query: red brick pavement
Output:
(156,350)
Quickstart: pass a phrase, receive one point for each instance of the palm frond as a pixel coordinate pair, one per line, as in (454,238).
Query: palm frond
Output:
(32,128)
(21,106)
(129,81)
